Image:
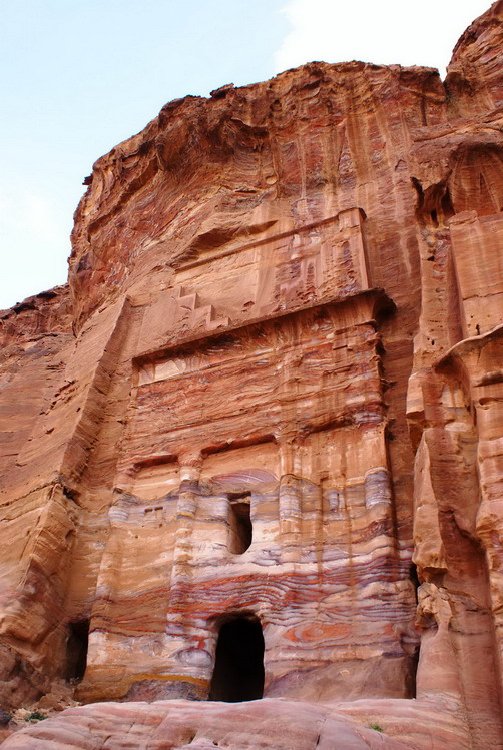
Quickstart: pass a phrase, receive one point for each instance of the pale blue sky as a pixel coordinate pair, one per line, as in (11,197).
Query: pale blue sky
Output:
(78,76)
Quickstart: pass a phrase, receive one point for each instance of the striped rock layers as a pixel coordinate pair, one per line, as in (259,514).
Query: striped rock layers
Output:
(254,447)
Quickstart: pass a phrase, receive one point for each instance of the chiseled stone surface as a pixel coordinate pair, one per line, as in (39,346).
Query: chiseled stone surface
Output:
(270,398)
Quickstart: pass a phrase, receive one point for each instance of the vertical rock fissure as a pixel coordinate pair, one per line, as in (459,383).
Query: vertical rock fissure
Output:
(76,650)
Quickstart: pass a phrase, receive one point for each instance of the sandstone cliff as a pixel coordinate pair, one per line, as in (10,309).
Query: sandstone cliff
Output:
(255,447)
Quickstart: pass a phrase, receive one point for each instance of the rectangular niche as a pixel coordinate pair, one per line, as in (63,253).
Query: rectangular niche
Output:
(154,480)
(476,245)
(243,469)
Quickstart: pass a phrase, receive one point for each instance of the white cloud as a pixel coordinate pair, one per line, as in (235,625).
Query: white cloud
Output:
(387,32)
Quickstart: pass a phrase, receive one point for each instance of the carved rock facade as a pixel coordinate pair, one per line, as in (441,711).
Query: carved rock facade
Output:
(266,416)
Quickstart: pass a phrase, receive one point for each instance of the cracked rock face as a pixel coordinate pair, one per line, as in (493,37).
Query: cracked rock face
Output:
(253,450)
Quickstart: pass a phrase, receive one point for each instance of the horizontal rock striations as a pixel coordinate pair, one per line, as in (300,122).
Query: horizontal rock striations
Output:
(254,447)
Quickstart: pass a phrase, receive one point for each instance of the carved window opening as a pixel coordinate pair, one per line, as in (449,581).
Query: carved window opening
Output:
(240,526)
(238,674)
(76,650)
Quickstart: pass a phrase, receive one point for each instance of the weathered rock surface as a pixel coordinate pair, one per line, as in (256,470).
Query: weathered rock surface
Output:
(255,446)
(271,723)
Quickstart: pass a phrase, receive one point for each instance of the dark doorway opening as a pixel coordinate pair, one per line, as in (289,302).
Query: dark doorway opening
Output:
(76,650)
(239,661)
(240,527)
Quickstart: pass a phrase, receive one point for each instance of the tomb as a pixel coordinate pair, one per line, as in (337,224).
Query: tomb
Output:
(254,448)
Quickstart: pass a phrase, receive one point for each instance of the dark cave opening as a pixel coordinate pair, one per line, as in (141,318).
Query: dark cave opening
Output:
(76,650)
(238,674)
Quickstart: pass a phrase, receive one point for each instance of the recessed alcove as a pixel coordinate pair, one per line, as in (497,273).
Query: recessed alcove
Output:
(238,674)
(76,650)
(240,526)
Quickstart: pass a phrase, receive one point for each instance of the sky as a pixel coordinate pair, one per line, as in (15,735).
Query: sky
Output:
(79,76)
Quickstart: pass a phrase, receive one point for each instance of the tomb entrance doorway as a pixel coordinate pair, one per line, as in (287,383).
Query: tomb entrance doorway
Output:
(238,674)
